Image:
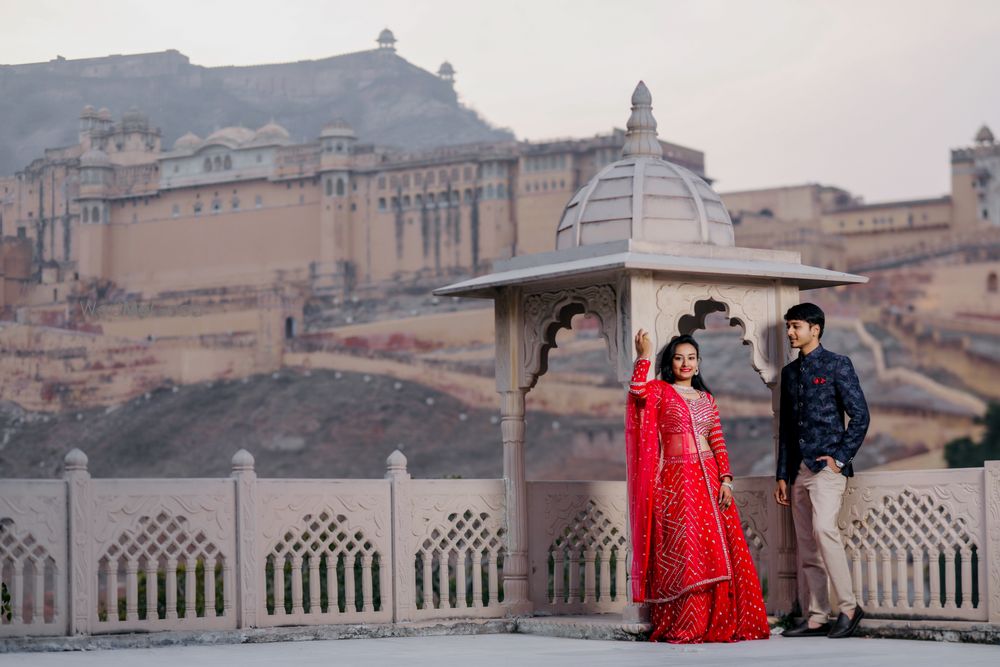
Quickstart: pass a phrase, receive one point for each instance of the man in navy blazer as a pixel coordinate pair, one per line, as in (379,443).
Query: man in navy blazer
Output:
(815,455)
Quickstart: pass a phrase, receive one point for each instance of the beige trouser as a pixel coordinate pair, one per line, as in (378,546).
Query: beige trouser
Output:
(816,500)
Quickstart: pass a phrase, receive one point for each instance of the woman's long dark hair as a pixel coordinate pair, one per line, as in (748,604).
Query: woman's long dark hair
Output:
(666,362)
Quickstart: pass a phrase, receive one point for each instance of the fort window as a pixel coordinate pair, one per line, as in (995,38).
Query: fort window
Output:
(236,203)
(258,201)
(419,199)
(430,197)
(227,163)
(986,214)
(992,283)
(175,211)
(489,191)
(95,215)
(216,205)
(197,208)
(86,214)
(406,201)
(260,158)
(418,179)
(501,192)
(381,182)
(340,187)
(217,163)
(329,187)
(340,148)
(289,327)
(381,203)
(21,233)
(207,165)
(430,178)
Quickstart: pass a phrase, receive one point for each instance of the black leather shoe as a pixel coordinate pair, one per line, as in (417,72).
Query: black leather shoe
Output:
(803,630)
(845,627)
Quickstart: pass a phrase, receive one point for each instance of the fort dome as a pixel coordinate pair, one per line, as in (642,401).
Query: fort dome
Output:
(187,140)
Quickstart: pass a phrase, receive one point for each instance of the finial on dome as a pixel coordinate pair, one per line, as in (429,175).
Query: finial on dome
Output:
(640,140)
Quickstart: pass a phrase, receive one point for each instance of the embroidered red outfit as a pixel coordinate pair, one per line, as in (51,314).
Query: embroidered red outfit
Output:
(690,560)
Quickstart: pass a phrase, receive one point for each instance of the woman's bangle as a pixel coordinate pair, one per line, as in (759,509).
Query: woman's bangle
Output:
(729,484)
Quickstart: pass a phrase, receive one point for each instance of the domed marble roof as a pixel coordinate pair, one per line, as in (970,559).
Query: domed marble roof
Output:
(232,136)
(271,132)
(187,140)
(104,113)
(643,197)
(88,112)
(95,158)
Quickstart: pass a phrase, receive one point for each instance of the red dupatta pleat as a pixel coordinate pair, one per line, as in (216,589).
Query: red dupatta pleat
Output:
(642,461)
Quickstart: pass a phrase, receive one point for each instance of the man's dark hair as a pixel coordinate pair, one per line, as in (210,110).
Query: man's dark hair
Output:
(809,313)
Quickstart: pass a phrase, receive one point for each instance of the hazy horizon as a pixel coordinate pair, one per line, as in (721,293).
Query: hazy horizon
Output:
(865,96)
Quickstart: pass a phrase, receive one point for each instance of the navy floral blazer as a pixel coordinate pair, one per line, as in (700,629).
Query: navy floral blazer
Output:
(817,390)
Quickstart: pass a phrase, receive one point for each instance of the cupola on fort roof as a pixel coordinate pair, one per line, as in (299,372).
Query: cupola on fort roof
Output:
(643,197)
(271,132)
(984,135)
(187,140)
(231,136)
(386,40)
(338,128)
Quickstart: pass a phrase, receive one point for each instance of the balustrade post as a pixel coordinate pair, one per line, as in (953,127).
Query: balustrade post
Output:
(401,560)
(991,489)
(249,577)
(81,600)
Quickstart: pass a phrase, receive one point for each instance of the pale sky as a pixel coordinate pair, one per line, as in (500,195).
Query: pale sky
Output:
(868,95)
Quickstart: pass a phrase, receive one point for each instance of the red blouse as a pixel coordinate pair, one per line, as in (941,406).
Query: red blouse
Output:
(674,419)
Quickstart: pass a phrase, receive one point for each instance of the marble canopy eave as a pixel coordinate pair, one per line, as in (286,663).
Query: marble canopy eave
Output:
(664,266)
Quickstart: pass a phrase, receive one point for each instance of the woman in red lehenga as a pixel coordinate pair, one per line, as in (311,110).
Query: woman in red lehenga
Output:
(690,560)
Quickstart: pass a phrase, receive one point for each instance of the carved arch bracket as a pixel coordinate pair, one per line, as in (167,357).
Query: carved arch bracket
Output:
(683,308)
(545,313)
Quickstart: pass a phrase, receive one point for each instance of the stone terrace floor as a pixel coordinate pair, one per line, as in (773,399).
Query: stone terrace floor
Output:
(517,650)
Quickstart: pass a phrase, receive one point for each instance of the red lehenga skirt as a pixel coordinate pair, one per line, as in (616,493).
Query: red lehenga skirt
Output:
(702,583)
(690,560)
